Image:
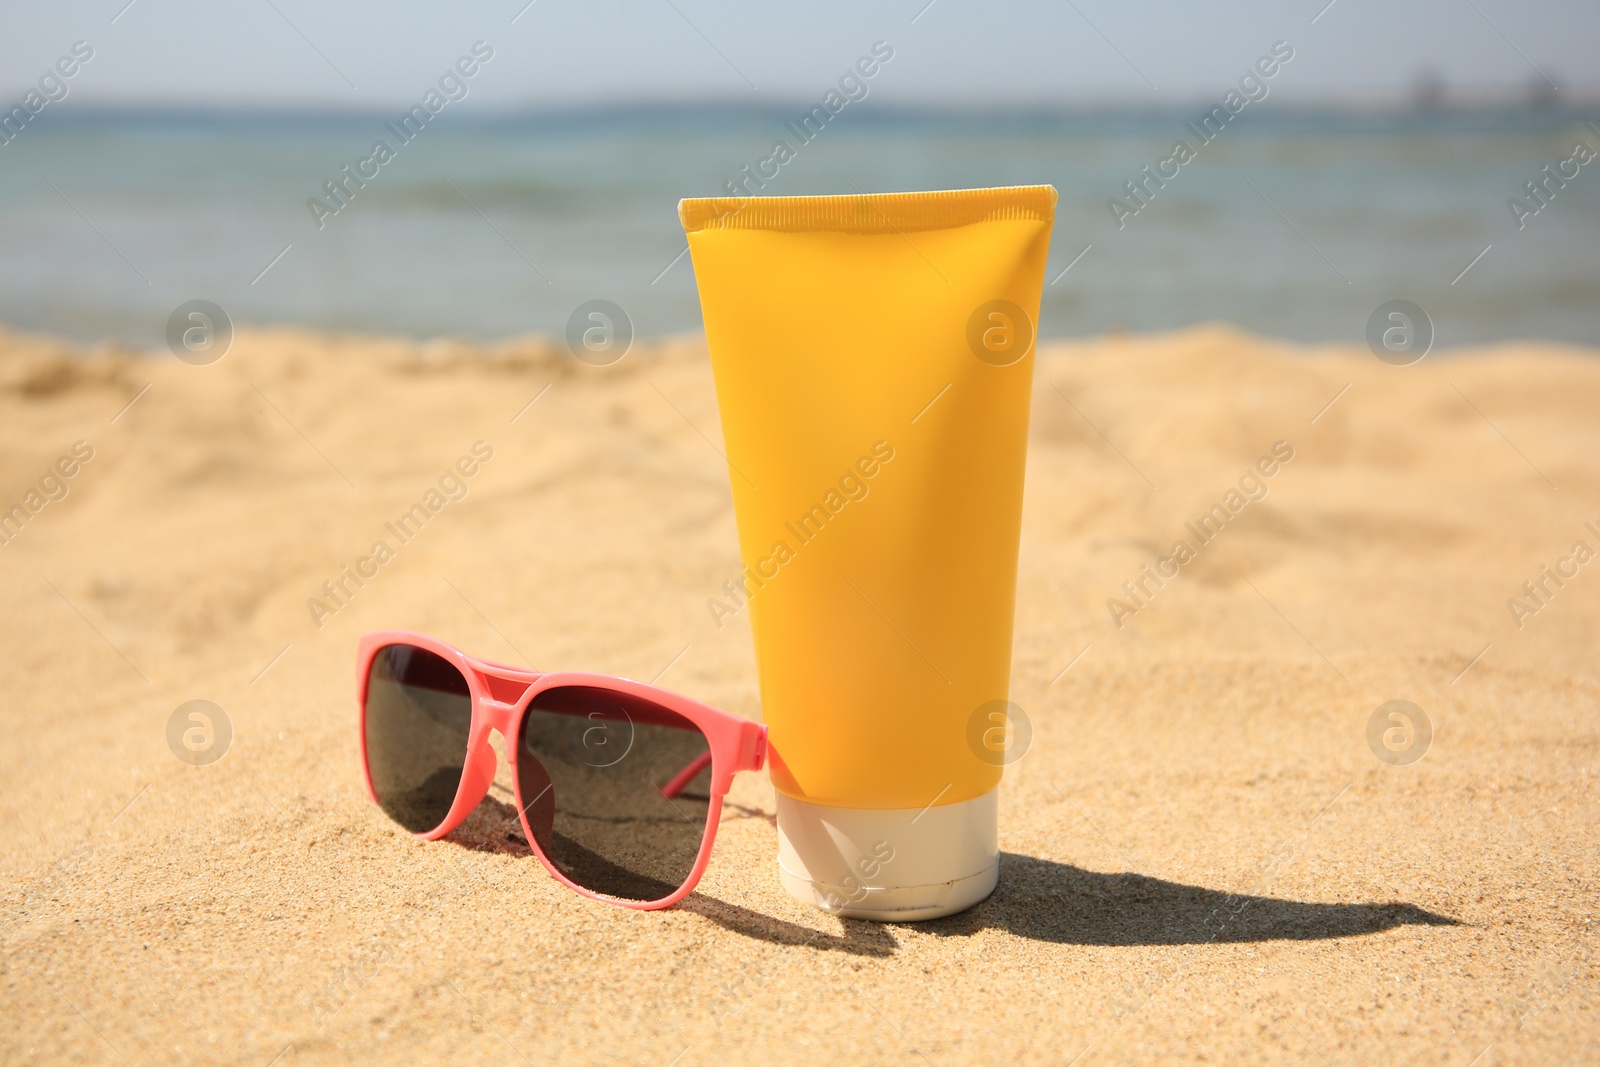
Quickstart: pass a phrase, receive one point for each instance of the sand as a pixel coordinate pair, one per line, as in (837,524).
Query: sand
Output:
(1203,858)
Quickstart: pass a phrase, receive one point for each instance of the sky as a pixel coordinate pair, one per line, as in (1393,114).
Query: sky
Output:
(560,54)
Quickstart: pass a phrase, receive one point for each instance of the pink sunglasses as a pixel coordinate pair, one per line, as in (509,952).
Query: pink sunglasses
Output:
(618,784)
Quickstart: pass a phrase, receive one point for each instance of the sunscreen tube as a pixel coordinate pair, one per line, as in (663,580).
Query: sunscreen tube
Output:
(873,358)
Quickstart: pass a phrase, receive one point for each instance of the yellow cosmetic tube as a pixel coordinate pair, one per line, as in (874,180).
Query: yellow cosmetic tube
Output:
(873,358)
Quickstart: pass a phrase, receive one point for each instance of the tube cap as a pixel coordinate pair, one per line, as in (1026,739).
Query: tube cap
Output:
(890,865)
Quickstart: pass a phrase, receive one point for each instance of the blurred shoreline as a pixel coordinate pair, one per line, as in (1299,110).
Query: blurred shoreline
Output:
(1299,221)
(1459,105)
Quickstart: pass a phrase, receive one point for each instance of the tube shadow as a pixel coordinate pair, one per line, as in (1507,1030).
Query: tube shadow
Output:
(1056,902)
(1047,901)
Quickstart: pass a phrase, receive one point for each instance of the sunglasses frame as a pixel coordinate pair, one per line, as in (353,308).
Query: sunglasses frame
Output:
(500,699)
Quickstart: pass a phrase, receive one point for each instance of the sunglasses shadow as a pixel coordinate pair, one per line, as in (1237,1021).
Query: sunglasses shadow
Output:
(493,826)
(860,937)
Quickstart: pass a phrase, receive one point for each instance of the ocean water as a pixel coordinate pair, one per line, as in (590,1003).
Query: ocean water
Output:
(1291,224)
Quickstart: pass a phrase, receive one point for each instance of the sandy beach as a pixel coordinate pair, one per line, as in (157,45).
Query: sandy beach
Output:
(1204,857)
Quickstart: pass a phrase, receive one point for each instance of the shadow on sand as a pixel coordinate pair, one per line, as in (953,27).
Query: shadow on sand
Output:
(1041,900)
(1047,901)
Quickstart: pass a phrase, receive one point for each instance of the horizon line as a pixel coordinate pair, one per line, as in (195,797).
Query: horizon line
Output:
(1380,104)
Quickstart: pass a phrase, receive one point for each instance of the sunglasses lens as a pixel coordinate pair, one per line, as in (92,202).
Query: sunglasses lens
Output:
(616,790)
(419,712)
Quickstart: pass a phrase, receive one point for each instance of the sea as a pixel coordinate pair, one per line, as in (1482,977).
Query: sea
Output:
(1297,224)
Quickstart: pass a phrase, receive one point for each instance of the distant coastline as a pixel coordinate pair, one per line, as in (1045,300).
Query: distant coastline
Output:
(1298,223)
(1459,108)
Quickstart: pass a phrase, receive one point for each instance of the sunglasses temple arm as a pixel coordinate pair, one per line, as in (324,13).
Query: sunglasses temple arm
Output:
(687,775)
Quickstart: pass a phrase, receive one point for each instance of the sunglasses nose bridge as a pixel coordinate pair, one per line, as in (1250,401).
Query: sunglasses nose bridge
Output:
(498,715)
(498,699)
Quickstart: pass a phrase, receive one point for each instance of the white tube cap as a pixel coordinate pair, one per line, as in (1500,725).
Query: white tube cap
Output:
(890,865)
